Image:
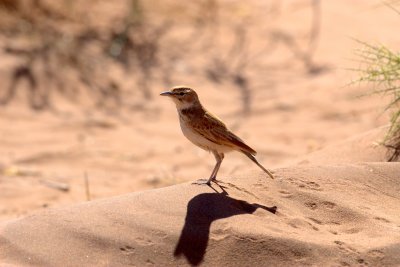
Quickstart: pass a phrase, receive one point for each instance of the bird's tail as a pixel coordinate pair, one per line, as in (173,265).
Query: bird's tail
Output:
(250,156)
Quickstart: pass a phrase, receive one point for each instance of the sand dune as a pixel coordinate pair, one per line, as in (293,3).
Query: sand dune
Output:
(339,214)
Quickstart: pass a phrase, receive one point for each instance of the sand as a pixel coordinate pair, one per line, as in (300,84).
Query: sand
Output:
(341,214)
(334,201)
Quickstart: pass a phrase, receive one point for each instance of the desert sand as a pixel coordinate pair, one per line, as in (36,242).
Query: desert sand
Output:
(334,201)
(342,214)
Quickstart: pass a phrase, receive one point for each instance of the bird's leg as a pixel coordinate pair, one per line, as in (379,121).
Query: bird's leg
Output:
(218,157)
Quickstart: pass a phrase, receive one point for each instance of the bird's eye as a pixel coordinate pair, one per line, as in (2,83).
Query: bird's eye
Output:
(181,93)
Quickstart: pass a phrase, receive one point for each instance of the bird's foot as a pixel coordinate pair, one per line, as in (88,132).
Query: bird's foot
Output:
(202,182)
(207,181)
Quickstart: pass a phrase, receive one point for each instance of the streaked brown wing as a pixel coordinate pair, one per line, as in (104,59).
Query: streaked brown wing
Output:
(216,131)
(230,138)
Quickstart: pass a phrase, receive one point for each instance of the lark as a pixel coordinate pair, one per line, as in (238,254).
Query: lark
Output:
(207,131)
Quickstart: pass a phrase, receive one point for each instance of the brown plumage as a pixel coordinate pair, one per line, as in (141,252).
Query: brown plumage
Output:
(205,130)
(215,130)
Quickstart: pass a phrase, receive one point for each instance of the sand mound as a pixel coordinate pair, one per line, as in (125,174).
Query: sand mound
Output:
(342,214)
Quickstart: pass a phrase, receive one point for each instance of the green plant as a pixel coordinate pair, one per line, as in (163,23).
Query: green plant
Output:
(380,66)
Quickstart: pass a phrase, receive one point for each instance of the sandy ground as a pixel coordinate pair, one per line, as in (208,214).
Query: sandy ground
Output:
(337,206)
(333,215)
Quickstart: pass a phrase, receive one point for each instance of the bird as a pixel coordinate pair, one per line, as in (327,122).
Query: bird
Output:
(206,130)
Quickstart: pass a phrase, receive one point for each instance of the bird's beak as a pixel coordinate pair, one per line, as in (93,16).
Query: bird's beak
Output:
(166,93)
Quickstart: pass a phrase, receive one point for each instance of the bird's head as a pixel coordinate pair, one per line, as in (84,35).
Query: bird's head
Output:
(183,96)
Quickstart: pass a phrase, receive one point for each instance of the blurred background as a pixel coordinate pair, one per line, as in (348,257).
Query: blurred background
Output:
(80,115)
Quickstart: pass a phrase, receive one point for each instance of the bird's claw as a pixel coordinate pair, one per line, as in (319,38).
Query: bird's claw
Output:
(206,181)
(202,182)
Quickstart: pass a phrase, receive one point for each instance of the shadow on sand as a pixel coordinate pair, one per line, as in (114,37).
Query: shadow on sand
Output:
(202,210)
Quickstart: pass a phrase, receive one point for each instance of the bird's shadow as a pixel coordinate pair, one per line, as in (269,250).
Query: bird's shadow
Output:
(202,210)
